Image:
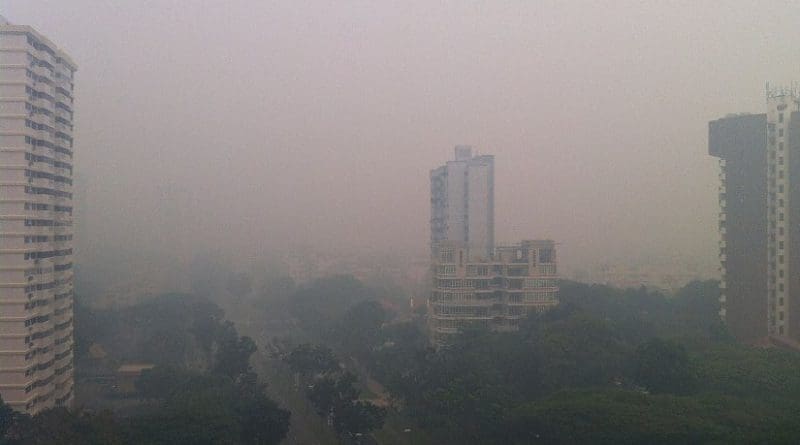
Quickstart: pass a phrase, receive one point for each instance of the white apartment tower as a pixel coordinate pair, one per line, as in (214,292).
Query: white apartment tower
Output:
(475,283)
(462,202)
(783,212)
(36,291)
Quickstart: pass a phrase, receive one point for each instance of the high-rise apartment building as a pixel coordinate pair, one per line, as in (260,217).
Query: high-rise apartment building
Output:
(462,202)
(476,283)
(760,218)
(495,292)
(36,341)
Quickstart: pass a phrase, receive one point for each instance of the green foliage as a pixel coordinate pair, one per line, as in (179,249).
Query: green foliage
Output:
(308,359)
(59,426)
(575,374)
(336,395)
(360,328)
(325,301)
(219,403)
(663,366)
(205,409)
(172,329)
(616,416)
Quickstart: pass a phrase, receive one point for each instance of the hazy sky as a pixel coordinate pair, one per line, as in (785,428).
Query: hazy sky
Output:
(258,125)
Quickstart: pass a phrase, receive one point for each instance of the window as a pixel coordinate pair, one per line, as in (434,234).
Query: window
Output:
(780,117)
(780,188)
(780,245)
(780,316)
(780,160)
(780,261)
(780,132)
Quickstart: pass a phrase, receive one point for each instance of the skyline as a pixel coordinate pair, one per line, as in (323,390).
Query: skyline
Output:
(325,130)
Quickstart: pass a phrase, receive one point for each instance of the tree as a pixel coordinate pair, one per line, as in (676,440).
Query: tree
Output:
(233,357)
(663,366)
(308,359)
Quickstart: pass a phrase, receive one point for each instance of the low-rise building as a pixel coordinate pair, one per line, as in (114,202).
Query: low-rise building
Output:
(494,293)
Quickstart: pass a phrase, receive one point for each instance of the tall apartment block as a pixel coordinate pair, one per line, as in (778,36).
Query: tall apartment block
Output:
(36,341)
(462,202)
(476,283)
(760,218)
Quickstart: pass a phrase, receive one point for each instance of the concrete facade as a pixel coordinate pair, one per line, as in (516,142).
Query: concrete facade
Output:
(462,202)
(740,143)
(494,293)
(36,291)
(760,218)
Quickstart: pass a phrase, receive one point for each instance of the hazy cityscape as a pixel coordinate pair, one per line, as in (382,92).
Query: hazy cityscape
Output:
(411,223)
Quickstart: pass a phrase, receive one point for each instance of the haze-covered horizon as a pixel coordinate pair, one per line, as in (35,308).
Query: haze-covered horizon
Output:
(253,127)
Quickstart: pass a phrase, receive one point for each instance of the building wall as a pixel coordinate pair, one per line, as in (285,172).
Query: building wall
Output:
(36,85)
(495,293)
(739,142)
(462,202)
(792,145)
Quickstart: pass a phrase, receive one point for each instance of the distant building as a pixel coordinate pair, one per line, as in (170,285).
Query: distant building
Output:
(760,218)
(494,293)
(127,375)
(36,85)
(462,202)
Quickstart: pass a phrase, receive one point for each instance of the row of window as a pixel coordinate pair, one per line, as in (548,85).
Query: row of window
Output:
(63,295)
(66,352)
(38,335)
(38,78)
(62,400)
(65,136)
(37,126)
(63,91)
(40,46)
(36,303)
(39,383)
(34,352)
(47,144)
(36,320)
(63,369)
(47,254)
(32,190)
(46,175)
(39,367)
(36,94)
(541,282)
(40,206)
(37,110)
(42,286)
(35,239)
(48,160)
(47,223)
(62,267)
(63,340)
(63,325)
(62,311)
(63,121)
(64,107)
